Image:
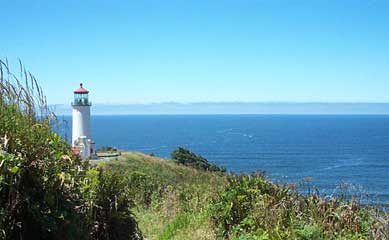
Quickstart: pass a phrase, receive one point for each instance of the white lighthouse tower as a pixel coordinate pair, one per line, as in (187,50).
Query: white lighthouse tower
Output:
(81,134)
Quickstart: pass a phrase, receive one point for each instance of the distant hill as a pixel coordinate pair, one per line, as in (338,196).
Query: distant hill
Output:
(232,108)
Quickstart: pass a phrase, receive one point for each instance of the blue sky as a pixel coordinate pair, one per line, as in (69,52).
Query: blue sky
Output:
(197,51)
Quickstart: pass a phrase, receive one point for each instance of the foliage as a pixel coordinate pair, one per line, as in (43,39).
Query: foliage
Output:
(253,207)
(112,208)
(178,202)
(46,192)
(171,200)
(107,149)
(188,158)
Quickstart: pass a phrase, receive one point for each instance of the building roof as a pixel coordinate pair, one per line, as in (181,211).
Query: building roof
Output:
(81,89)
(76,150)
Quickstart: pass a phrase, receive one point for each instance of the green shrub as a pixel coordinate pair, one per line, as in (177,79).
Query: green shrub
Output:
(310,232)
(252,206)
(188,158)
(46,192)
(39,187)
(107,149)
(143,187)
(111,210)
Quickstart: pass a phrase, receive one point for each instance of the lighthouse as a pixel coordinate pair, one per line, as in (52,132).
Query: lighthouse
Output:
(81,130)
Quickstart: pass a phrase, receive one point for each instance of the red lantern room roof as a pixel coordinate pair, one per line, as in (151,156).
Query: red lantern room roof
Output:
(81,89)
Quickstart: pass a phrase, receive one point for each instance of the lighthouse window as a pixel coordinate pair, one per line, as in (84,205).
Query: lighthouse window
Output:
(81,98)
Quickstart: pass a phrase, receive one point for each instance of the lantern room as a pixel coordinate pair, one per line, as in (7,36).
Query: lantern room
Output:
(81,97)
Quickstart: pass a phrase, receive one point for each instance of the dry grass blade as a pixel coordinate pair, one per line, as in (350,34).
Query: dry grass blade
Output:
(23,92)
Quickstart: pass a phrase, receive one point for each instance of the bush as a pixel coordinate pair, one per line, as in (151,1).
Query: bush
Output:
(188,158)
(46,192)
(112,208)
(107,149)
(252,206)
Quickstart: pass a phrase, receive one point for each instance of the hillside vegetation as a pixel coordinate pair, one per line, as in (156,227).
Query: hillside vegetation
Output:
(188,158)
(172,200)
(179,202)
(46,192)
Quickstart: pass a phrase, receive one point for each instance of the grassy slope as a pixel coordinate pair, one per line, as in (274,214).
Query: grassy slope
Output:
(183,212)
(174,202)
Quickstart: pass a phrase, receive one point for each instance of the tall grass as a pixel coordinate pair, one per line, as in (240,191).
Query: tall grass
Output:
(23,91)
(180,202)
(46,192)
(254,207)
(172,200)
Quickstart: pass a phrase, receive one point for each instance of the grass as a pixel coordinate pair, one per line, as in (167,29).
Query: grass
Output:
(173,201)
(46,192)
(165,171)
(180,202)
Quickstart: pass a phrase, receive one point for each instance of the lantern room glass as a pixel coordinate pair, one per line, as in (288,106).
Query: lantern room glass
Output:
(81,99)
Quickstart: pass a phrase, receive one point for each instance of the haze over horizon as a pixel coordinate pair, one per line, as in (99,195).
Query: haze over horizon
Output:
(202,51)
(209,108)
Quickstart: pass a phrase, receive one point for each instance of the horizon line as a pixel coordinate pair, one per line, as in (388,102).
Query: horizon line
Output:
(230,102)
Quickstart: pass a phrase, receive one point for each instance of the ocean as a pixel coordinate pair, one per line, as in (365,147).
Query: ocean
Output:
(340,153)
